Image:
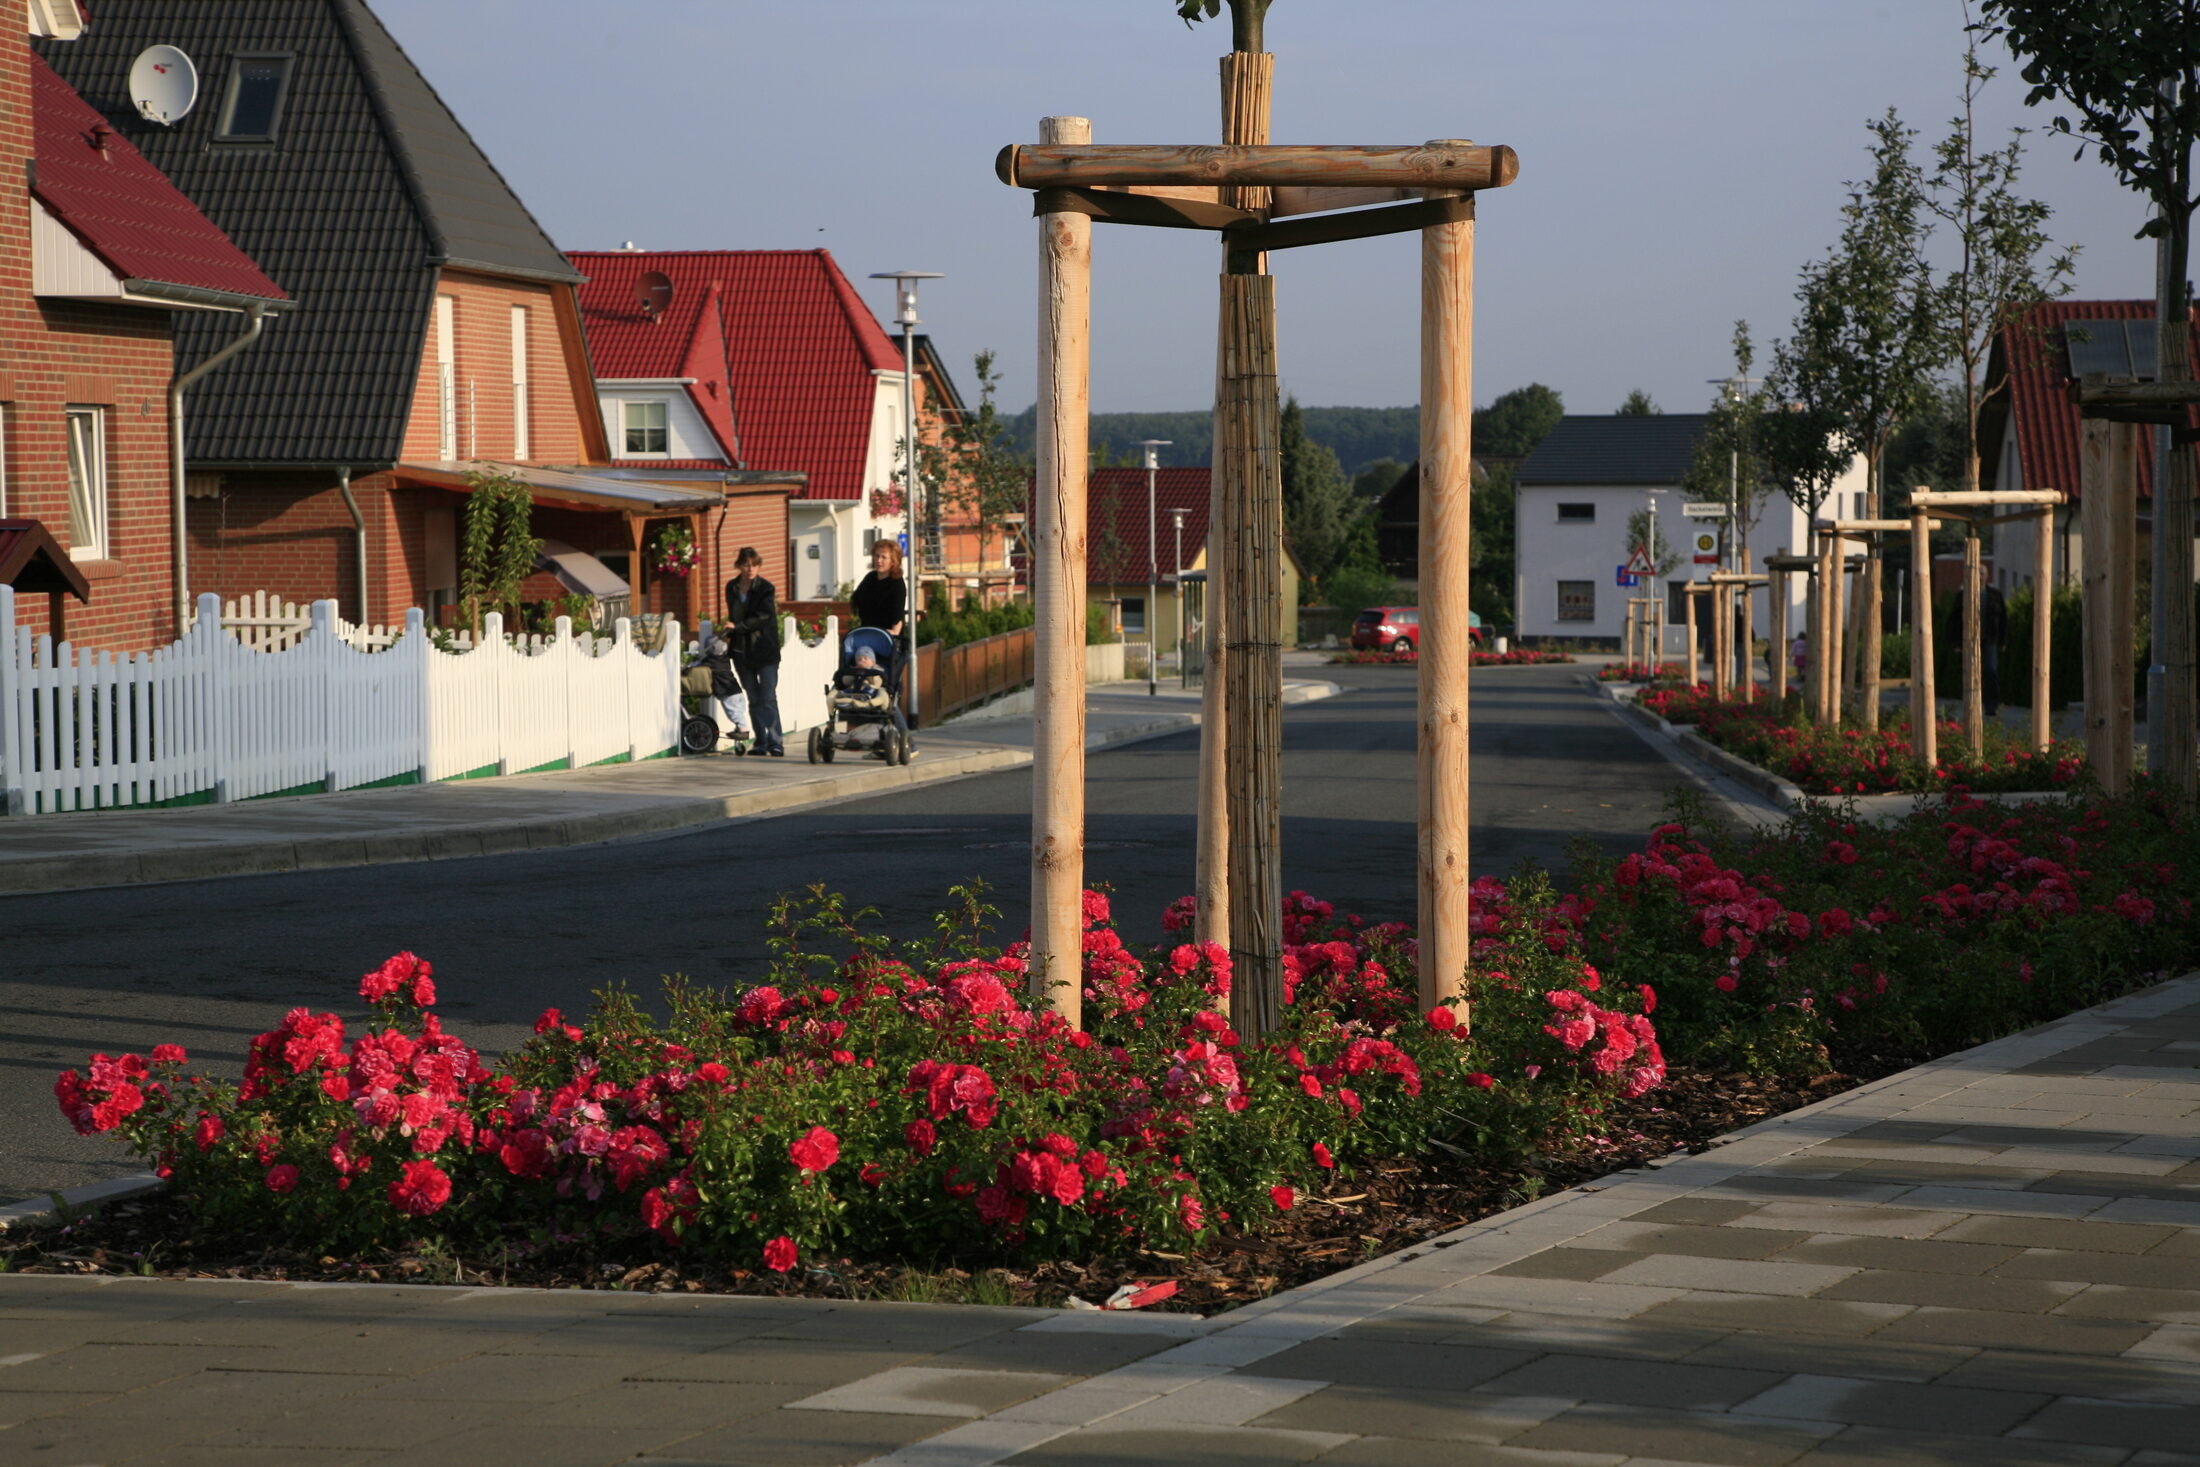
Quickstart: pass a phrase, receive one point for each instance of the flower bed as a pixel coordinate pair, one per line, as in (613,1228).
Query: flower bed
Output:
(1851,760)
(1641,672)
(912,1101)
(1516,657)
(899,1103)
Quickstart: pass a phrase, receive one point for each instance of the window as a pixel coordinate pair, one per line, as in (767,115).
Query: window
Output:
(253,105)
(88,483)
(1676,603)
(446,374)
(1573,514)
(1134,614)
(522,440)
(646,430)
(1577,600)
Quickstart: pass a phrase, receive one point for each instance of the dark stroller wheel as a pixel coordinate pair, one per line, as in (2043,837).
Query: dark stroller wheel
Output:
(698,734)
(825,746)
(901,746)
(815,741)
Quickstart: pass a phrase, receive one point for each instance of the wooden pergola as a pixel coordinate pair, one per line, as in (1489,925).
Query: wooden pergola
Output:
(2030,504)
(1259,198)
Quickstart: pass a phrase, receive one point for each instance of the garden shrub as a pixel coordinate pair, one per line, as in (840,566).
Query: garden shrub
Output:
(907,1101)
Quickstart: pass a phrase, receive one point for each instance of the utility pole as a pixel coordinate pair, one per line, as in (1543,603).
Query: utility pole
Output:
(1153,447)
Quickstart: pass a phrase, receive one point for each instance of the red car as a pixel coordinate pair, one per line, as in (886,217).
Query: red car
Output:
(1398,629)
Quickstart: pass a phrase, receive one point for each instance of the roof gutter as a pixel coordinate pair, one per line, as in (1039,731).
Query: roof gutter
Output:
(359,538)
(199,295)
(178,553)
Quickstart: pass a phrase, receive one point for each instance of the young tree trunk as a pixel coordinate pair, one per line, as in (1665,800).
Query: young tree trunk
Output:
(1870,615)
(1974,682)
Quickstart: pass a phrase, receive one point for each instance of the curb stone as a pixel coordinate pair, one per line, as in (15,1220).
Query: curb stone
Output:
(49,1210)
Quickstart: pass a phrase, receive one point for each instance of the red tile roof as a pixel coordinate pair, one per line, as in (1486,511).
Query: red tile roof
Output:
(1115,499)
(2036,359)
(800,348)
(123,208)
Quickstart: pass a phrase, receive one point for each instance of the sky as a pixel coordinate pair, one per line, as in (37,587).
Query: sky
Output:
(1679,163)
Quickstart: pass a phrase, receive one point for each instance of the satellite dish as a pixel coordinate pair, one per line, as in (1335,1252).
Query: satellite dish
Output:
(163,84)
(654,291)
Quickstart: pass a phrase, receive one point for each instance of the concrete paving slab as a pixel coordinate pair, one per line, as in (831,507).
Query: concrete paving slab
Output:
(923,1390)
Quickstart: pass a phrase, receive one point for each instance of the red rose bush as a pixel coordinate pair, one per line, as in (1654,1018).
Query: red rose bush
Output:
(903,1102)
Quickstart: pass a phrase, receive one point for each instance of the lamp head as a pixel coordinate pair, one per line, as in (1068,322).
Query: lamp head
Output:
(905,291)
(1153,447)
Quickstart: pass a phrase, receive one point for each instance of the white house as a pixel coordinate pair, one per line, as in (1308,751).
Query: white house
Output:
(1575,494)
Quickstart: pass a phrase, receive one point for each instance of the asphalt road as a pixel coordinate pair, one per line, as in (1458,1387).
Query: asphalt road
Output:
(210,964)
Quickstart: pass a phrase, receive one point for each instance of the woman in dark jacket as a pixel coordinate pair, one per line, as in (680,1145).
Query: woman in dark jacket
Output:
(881,600)
(752,626)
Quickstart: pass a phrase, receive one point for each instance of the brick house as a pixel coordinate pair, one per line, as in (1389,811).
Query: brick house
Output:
(436,331)
(814,381)
(665,387)
(102,264)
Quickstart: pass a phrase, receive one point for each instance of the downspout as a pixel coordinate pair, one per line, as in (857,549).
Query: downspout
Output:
(359,538)
(178,556)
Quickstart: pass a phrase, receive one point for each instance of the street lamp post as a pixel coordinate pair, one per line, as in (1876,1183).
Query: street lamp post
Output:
(1153,447)
(1183,670)
(905,312)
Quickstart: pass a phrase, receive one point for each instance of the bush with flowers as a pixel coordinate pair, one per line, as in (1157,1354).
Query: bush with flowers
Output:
(1641,672)
(1850,760)
(865,1097)
(1512,657)
(1829,940)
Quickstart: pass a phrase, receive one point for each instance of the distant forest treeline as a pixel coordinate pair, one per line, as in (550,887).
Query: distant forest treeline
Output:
(1359,435)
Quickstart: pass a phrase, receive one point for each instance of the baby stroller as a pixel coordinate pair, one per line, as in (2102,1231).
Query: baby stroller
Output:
(698,691)
(859,703)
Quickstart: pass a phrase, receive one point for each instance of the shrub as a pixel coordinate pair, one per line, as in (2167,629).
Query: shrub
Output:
(909,1102)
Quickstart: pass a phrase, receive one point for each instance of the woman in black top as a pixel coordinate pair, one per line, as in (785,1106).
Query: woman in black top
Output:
(881,600)
(752,627)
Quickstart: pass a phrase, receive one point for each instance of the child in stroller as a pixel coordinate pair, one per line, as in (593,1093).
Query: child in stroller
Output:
(707,680)
(859,702)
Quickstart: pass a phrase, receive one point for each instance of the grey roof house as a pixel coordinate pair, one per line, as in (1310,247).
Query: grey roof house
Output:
(435,324)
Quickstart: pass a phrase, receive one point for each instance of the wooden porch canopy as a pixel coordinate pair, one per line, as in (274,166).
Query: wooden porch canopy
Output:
(638,500)
(32,560)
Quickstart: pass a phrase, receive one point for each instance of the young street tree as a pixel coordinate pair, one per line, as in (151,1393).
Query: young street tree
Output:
(2129,71)
(2000,238)
(971,462)
(1873,338)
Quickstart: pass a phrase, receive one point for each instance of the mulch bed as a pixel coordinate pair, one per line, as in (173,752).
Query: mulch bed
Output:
(1381,1209)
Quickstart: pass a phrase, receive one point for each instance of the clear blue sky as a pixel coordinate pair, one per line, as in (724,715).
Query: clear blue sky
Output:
(1680,161)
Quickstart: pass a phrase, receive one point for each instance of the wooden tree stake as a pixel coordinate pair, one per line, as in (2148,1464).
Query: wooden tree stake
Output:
(1058,590)
(2107,504)
(1447,428)
(2043,628)
(1777,606)
(1688,605)
(1924,706)
(1870,617)
(1974,682)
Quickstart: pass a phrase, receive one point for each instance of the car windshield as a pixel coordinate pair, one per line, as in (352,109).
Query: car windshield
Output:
(1371,618)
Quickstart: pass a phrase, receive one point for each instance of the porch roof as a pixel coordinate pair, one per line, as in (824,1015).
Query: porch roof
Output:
(578,488)
(32,560)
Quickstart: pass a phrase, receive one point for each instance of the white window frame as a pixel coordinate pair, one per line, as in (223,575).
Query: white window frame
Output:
(523,446)
(88,503)
(664,412)
(446,378)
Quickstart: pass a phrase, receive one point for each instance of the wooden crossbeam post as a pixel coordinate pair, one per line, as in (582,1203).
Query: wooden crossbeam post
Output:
(1870,614)
(1974,682)
(1748,671)
(1777,608)
(1722,642)
(1689,606)
(1058,593)
(2107,505)
(2043,627)
(1447,442)
(1924,707)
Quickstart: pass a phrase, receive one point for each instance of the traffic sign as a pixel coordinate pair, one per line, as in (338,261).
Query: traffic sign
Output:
(1621,576)
(1705,509)
(1638,564)
(1707,549)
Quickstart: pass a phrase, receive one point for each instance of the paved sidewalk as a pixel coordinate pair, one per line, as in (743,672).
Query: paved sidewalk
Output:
(1993,1259)
(486,817)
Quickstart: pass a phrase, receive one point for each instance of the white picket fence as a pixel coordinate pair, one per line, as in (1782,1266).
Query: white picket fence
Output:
(210,717)
(267,623)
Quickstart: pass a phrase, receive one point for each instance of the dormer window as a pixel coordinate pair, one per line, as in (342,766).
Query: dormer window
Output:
(252,107)
(647,428)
